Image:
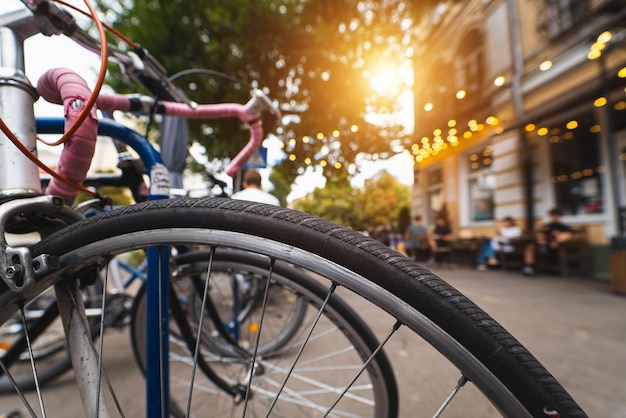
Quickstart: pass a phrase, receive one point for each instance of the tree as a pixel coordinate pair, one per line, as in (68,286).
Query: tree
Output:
(383,199)
(321,60)
(338,202)
(379,202)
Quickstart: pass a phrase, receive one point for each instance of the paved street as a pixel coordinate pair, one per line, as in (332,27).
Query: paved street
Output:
(576,327)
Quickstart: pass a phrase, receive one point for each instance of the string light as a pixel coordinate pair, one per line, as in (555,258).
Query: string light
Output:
(492,120)
(546,65)
(572,124)
(605,37)
(594,54)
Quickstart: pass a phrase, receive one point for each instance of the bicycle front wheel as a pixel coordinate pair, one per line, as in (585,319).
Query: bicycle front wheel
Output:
(406,299)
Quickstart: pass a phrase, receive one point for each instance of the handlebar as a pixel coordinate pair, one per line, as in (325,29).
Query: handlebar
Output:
(50,20)
(248,113)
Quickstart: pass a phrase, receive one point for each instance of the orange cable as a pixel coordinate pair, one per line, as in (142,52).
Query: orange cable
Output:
(104,56)
(110,28)
(5,129)
(81,117)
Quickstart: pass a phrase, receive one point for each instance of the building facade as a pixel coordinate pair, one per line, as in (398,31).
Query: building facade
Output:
(520,106)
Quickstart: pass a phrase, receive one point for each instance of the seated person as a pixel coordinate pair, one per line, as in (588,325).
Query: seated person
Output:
(548,240)
(416,239)
(441,237)
(487,252)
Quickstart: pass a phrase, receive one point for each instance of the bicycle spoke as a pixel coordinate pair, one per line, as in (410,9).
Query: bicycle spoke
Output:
(101,351)
(462,381)
(319,387)
(258,336)
(365,365)
(331,290)
(19,392)
(32,361)
(205,295)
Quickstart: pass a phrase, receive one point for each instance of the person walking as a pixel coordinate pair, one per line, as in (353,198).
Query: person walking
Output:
(252,190)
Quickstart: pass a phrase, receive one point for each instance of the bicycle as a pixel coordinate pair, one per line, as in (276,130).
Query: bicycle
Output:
(307,378)
(119,302)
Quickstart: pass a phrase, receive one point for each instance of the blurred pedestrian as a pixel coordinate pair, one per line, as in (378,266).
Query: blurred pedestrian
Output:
(381,233)
(252,189)
(440,240)
(416,239)
(548,240)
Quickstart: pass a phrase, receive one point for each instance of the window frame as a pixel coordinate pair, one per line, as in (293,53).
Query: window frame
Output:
(429,189)
(466,176)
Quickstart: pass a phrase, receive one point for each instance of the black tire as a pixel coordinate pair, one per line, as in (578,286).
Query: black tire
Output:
(485,353)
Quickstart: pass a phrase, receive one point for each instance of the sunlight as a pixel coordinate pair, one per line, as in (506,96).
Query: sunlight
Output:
(390,79)
(384,80)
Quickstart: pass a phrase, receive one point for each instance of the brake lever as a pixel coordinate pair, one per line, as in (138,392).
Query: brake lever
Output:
(259,103)
(151,74)
(51,19)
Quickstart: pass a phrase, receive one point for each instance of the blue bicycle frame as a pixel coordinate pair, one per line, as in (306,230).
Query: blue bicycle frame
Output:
(157,289)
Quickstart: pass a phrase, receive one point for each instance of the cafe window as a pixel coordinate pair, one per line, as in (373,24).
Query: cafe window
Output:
(434,191)
(468,63)
(577,173)
(481,185)
(557,16)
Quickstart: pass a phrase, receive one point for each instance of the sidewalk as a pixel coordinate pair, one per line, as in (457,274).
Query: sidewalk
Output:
(576,327)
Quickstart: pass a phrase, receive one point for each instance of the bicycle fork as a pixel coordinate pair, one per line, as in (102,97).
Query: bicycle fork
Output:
(80,347)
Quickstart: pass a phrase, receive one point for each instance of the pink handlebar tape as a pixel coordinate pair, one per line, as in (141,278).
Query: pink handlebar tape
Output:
(65,87)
